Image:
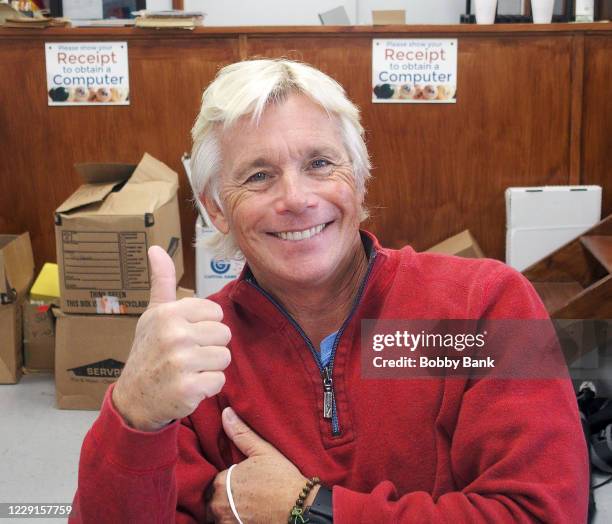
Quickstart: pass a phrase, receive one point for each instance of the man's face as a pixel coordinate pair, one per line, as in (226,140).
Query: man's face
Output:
(288,193)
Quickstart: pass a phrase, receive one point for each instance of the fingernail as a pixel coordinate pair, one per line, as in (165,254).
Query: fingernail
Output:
(230,415)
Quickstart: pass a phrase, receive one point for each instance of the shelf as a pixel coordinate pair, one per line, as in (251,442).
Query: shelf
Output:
(601,248)
(556,295)
(379,31)
(575,281)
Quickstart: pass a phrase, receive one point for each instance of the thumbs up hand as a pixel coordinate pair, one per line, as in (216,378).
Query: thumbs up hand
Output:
(177,357)
(163,277)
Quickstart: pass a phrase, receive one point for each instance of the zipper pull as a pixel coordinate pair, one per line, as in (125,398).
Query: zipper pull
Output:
(328,395)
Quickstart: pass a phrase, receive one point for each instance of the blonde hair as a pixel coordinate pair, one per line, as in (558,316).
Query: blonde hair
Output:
(247,88)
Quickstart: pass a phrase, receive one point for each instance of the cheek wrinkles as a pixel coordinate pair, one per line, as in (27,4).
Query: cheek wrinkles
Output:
(234,195)
(344,173)
(342,178)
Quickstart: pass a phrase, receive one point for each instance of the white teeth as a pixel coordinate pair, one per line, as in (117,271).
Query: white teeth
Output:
(300,235)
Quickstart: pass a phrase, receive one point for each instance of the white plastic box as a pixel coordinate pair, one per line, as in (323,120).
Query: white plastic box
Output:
(539,220)
(212,273)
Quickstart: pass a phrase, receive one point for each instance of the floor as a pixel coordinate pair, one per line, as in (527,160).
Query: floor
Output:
(39,448)
(39,444)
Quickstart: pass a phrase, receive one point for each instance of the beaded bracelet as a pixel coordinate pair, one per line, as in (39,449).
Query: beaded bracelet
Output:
(297,513)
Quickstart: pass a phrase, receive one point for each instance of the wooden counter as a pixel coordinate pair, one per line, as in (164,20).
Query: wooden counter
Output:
(534,107)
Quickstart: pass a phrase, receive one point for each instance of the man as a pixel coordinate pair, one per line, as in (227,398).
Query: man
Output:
(281,166)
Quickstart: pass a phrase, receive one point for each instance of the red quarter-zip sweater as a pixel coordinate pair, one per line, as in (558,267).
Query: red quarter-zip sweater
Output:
(427,450)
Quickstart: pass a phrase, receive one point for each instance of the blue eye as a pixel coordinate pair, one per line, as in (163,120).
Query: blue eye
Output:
(258,177)
(320,163)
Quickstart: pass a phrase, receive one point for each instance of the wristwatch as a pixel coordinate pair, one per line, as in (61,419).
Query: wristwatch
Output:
(321,510)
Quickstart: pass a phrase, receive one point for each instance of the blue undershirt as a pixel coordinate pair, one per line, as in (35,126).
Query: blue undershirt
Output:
(327,345)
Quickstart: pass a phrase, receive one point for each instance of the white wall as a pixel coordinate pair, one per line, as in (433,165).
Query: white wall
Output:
(299,12)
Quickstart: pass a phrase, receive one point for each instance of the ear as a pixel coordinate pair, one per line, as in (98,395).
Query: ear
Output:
(215,213)
(363,212)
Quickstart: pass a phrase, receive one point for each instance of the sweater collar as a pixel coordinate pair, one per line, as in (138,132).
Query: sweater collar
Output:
(246,292)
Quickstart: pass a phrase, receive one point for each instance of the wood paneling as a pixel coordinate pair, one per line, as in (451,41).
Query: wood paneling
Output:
(41,143)
(441,168)
(577,89)
(597,117)
(521,118)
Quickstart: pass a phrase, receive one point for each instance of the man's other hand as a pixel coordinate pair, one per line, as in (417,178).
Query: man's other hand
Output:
(264,486)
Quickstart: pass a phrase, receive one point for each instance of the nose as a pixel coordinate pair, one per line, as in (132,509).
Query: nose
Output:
(294,193)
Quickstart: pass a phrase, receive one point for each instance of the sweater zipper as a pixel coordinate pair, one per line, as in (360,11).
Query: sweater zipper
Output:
(329,398)
(328,394)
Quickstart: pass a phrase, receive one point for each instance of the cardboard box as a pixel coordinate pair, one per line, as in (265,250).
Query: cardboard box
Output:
(462,245)
(212,273)
(103,231)
(11,358)
(90,352)
(183,292)
(16,267)
(16,274)
(539,220)
(389,17)
(38,338)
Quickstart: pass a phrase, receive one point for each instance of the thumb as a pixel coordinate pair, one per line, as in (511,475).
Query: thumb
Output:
(163,277)
(246,440)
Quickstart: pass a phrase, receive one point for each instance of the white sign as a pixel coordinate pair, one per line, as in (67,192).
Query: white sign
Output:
(419,70)
(87,73)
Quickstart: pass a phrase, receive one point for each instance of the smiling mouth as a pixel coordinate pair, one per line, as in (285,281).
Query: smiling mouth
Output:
(305,234)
